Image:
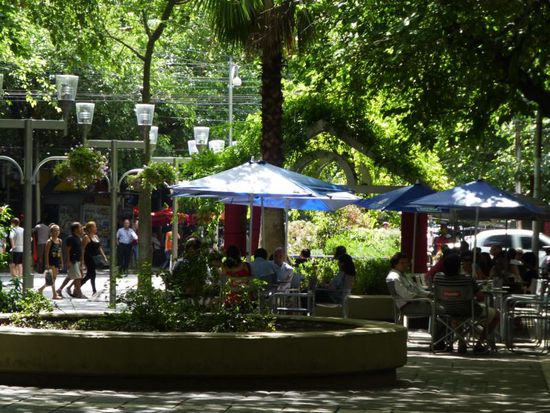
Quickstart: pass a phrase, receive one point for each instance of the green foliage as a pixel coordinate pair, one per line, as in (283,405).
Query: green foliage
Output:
(83,167)
(188,277)
(370,273)
(371,276)
(366,243)
(25,307)
(153,176)
(5,218)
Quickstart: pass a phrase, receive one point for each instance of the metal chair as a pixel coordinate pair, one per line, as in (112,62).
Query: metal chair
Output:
(526,321)
(399,316)
(454,308)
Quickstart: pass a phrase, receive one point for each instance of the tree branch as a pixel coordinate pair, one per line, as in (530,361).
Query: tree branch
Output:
(122,42)
(145,24)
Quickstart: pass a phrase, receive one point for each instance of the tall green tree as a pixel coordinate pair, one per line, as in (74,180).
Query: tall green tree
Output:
(269,28)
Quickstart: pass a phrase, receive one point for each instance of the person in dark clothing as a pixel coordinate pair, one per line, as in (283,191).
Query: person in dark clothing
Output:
(91,245)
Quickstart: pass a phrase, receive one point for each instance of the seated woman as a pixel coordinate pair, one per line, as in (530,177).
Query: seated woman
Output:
(340,286)
(234,268)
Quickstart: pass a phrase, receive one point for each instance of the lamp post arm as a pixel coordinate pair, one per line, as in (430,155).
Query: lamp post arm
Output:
(14,163)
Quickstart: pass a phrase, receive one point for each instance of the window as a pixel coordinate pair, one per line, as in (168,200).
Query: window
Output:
(502,240)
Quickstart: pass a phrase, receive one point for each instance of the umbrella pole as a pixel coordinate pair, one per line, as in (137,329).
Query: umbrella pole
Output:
(475,243)
(413,259)
(250,226)
(262,223)
(286,227)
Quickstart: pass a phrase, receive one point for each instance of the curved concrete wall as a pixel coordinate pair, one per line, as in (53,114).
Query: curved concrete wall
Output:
(368,346)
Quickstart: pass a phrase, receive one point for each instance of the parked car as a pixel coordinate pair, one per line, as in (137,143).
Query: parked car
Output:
(509,238)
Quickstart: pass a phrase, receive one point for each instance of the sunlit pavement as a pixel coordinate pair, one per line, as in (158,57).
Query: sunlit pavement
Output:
(501,382)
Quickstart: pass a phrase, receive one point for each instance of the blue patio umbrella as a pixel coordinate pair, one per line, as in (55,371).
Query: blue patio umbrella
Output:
(257,183)
(398,199)
(482,199)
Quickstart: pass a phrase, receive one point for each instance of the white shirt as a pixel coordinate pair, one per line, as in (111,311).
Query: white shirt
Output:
(16,235)
(126,235)
(404,288)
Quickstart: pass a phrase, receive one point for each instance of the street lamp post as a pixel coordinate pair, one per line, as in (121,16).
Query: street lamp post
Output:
(234,80)
(66,86)
(114,145)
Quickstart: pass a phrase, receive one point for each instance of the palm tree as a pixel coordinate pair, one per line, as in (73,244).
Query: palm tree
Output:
(267,27)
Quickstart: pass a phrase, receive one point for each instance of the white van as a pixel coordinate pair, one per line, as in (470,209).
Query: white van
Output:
(509,238)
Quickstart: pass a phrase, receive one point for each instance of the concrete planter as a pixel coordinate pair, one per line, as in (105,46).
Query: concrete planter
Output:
(366,347)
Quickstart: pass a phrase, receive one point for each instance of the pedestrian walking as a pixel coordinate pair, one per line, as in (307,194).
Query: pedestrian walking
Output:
(41,234)
(74,264)
(92,254)
(53,261)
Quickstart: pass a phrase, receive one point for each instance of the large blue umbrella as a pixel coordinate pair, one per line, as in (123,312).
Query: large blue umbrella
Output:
(398,199)
(484,200)
(260,183)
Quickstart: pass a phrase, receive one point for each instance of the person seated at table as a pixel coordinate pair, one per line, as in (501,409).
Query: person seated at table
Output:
(485,264)
(452,278)
(341,285)
(263,269)
(305,256)
(233,267)
(405,289)
(467,260)
(503,276)
(286,277)
(530,272)
(438,266)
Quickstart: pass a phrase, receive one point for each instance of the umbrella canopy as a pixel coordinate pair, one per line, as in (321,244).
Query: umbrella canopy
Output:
(256,179)
(398,199)
(329,202)
(488,201)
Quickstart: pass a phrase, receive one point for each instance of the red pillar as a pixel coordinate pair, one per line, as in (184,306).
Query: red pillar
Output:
(407,236)
(235,227)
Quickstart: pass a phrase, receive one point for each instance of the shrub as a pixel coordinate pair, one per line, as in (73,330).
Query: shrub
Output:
(370,273)
(371,243)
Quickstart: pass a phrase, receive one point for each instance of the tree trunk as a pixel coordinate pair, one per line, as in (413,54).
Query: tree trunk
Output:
(272,139)
(144,201)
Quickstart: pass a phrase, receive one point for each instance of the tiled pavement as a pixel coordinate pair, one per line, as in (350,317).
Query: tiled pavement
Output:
(501,382)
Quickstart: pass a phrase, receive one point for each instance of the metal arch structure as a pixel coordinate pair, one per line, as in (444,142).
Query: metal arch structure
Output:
(14,163)
(36,180)
(362,185)
(323,158)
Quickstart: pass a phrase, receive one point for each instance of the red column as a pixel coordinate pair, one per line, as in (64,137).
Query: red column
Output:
(235,226)
(407,236)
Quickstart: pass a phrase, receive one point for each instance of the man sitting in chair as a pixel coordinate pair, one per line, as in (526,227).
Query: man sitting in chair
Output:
(406,290)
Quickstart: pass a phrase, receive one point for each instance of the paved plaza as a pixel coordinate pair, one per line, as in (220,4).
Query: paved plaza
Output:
(501,382)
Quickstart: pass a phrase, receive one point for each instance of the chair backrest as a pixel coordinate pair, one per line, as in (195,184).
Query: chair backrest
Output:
(454,298)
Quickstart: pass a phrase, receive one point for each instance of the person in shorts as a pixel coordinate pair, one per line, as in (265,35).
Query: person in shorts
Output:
(74,264)
(16,241)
